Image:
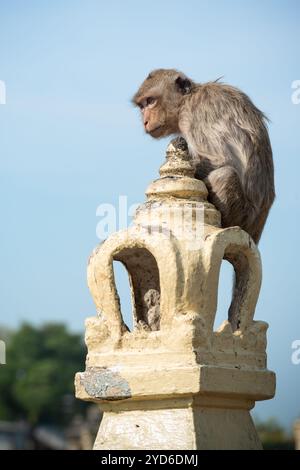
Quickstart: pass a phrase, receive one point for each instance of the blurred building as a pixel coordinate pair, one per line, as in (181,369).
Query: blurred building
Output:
(79,435)
(82,432)
(14,435)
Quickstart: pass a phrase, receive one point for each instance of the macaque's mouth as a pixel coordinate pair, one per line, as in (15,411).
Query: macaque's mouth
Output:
(154,131)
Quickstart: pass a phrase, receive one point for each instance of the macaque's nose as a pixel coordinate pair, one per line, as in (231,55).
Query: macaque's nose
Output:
(146,116)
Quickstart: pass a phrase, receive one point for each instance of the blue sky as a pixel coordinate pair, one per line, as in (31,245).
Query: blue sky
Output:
(70,140)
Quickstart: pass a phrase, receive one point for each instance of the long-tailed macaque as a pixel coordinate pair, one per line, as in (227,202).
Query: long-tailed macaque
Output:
(228,140)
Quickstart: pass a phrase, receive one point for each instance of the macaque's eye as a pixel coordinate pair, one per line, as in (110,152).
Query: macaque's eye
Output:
(150,101)
(141,106)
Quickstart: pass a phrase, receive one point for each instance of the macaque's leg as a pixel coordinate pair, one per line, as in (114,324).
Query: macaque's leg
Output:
(226,193)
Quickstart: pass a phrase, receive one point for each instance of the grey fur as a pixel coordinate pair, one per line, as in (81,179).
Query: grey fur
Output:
(228,141)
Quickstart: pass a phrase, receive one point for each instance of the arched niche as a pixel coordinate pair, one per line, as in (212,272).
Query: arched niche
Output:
(235,246)
(155,275)
(145,286)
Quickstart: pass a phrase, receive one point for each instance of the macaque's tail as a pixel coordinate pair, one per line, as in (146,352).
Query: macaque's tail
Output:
(238,293)
(240,285)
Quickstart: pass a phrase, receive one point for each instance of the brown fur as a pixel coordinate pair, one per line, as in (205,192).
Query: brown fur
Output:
(227,138)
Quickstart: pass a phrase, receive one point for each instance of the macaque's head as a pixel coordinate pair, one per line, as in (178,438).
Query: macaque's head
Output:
(159,99)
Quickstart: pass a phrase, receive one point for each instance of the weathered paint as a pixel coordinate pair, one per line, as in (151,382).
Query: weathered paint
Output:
(105,383)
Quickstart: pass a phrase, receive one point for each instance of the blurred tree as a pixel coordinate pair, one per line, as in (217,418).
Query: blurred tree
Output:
(273,435)
(5,333)
(37,383)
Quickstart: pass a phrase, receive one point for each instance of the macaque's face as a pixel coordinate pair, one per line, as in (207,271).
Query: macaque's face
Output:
(159,99)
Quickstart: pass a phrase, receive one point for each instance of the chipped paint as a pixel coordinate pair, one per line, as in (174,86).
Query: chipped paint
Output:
(105,383)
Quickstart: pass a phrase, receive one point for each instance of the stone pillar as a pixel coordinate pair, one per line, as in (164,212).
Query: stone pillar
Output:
(174,382)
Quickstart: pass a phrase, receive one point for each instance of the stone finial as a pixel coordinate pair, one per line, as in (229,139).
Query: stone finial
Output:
(176,381)
(177,177)
(178,160)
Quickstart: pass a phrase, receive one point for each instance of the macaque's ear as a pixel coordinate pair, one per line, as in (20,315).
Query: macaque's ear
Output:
(184,85)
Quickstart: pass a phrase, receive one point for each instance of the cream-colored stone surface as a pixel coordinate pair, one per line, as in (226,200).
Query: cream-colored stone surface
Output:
(175,382)
(147,429)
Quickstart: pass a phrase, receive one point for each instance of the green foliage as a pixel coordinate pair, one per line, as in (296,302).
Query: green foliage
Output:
(37,383)
(273,436)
